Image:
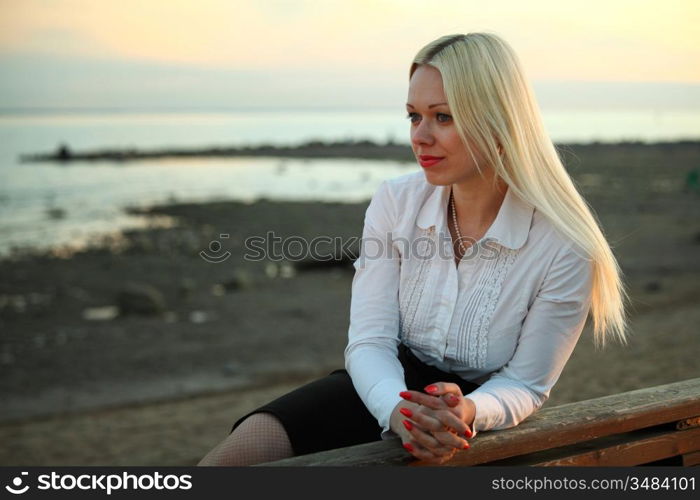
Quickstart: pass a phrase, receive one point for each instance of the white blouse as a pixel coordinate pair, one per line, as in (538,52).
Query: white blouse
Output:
(508,317)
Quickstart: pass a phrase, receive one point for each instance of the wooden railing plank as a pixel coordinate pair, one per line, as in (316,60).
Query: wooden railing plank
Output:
(619,450)
(691,459)
(549,428)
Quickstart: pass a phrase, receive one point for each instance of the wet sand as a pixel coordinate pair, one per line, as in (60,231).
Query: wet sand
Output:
(161,389)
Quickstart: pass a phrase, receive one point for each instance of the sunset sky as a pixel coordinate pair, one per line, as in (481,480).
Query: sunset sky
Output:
(295,53)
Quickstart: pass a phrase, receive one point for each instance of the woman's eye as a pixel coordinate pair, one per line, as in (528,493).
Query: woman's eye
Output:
(440,117)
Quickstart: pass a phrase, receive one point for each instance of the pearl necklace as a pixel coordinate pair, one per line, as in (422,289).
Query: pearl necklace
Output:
(462,248)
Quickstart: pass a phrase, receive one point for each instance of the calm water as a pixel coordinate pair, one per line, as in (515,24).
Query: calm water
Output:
(42,205)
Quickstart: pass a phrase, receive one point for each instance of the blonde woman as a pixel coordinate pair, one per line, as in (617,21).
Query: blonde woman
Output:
(474,281)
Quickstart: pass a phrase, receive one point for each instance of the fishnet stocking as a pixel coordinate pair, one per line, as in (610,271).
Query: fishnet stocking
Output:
(259,438)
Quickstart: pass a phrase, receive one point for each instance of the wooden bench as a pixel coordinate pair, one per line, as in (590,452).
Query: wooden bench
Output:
(632,428)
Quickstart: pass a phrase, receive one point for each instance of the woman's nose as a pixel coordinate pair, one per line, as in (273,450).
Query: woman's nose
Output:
(421,134)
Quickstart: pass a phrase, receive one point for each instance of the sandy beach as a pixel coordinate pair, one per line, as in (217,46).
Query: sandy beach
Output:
(206,342)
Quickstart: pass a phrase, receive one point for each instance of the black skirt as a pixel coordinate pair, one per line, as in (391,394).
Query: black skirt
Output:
(327,413)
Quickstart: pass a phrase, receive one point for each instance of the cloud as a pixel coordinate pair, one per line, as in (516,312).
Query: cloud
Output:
(40,81)
(131,53)
(577,39)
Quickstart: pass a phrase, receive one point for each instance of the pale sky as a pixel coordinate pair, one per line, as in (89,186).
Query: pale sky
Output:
(232,52)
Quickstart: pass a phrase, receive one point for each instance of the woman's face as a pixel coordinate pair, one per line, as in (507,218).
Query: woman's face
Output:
(434,138)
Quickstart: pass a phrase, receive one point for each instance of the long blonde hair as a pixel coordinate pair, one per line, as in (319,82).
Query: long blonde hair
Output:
(494,108)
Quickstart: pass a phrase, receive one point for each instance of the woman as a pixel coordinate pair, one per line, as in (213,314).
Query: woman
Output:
(474,281)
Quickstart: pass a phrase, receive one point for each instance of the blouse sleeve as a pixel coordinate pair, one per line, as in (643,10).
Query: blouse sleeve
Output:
(548,336)
(371,356)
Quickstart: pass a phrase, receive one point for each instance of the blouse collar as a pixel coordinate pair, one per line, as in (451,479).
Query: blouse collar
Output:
(510,229)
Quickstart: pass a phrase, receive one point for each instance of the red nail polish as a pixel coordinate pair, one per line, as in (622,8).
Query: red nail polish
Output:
(466,446)
(431,389)
(406,412)
(408,425)
(408,447)
(468,433)
(405,394)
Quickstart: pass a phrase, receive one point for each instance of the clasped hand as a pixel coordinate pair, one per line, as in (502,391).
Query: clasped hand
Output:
(433,425)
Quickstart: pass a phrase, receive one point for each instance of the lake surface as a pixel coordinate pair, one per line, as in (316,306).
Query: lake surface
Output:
(43,205)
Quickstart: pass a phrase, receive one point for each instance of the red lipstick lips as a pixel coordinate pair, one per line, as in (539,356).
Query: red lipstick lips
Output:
(428,160)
